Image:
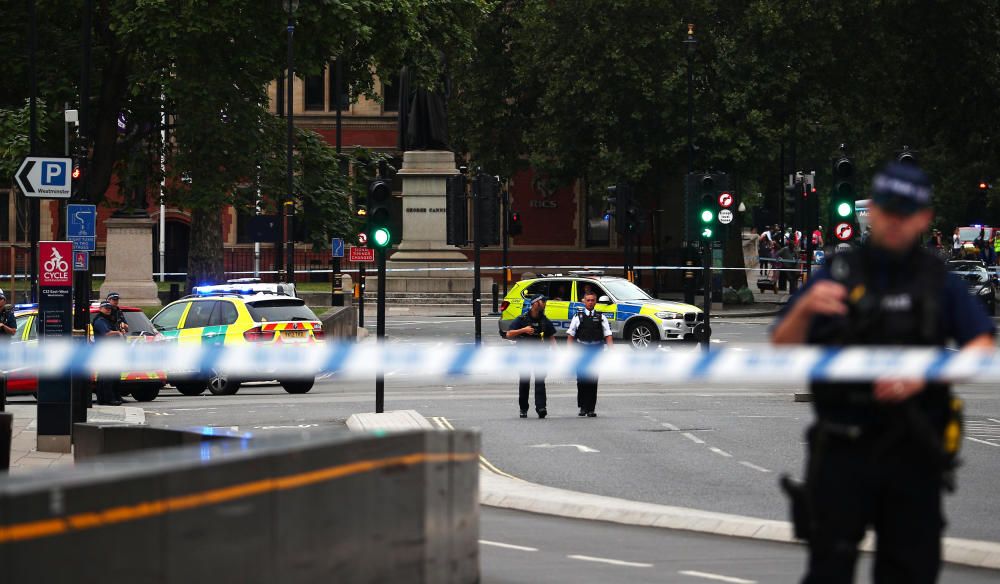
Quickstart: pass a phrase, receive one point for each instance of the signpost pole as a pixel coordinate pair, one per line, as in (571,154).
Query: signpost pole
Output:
(707,264)
(477,238)
(361,295)
(380,333)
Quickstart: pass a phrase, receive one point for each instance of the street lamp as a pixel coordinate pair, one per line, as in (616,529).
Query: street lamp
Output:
(290,7)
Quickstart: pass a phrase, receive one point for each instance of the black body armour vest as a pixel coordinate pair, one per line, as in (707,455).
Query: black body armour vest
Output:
(891,301)
(590,330)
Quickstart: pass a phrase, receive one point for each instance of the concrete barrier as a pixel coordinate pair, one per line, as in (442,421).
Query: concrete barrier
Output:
(318,507)
(341,322)
(96,439)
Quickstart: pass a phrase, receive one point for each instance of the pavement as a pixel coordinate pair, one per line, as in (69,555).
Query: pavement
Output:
(24,456)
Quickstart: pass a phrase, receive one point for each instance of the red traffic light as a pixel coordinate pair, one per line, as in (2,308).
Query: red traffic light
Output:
(76,172)
(984,186)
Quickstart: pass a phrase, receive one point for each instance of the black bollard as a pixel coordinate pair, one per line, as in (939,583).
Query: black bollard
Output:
(6,438)
(496,300)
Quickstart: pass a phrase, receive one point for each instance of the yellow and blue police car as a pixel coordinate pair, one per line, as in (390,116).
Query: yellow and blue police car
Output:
(229,315)
(634,315)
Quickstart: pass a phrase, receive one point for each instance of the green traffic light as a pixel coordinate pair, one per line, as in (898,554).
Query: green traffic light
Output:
(381,237)
(707,216)
(706,233)
(844,209)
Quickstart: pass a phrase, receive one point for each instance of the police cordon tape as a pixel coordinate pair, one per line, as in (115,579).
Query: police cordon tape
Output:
(764,365)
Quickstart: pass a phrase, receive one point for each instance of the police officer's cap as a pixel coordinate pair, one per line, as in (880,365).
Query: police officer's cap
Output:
(902,189)
(538,298)
(113,296)
(2,295)
(107,304)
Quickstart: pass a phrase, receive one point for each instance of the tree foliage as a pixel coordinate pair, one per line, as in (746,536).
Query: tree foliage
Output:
(208,63)
(598,89)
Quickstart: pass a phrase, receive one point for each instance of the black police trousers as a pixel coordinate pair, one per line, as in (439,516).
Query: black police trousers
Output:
(105,390)
(524,387)
(586,392)
(893,488)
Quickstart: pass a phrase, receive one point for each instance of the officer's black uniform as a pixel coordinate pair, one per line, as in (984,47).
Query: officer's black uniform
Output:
(7,318)
(590,334)
(544,330)
(106,392)
(873,463)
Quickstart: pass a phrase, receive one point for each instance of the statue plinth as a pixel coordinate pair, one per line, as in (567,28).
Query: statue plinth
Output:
(129,261)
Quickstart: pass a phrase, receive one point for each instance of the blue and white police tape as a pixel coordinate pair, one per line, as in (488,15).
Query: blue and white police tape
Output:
(763,365)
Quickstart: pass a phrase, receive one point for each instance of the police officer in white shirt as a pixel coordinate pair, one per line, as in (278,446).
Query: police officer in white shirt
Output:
(590,329)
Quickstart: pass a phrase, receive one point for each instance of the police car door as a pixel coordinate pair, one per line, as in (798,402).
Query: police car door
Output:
(196,322)
(607,308)
(557,307)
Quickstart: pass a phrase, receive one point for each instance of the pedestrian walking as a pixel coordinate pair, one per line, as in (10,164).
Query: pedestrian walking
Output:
(534,328)
(117,315)
(956,244)
(8,322)
(879,455)
(589,329)
(105,329)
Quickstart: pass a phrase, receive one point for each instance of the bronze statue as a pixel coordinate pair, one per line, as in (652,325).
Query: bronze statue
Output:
(423,115)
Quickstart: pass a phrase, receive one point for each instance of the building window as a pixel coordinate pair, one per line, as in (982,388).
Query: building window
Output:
(314,98)
(390,93)
(345,98)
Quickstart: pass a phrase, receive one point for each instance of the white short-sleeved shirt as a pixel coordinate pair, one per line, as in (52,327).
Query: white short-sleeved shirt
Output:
(575,323)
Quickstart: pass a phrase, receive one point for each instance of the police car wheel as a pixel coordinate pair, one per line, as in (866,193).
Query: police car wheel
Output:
(146,392)
(222,384)
(190,388)
(297,385)
(641,335)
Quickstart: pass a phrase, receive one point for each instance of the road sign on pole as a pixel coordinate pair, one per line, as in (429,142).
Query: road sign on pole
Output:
(844,231)
(726,200)
(364,255)
(45,178)
(81,226)
(725,216)
(81,261)
(337,247)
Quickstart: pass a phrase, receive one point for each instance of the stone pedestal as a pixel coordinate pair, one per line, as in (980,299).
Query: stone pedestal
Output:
(424,250)
(425,204)
(129,261)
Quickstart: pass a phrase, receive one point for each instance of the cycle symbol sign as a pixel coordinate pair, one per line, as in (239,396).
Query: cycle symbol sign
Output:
(55,269)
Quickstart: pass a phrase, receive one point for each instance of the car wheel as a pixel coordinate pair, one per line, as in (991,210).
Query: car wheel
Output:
(222,384)
(190,387)
(641,335)
(146,392)
(297,385)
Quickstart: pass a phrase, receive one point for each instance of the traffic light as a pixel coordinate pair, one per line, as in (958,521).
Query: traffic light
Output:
(622,207)
(379,214)
(514,226)
(76,176)
(844,192)
(489,209)
(457,216)
(702,190)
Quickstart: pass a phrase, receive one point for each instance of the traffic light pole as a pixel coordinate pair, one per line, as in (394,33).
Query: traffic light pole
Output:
(380,332)
(361,295)
(477,304)
(505,201)
(706,252)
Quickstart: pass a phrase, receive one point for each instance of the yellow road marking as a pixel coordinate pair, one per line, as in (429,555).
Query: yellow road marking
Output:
(94,519)
(485,464)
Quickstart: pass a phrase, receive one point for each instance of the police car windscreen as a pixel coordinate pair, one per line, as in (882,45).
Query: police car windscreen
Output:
(138,322)
(623,290)
(970,271)
(280,310)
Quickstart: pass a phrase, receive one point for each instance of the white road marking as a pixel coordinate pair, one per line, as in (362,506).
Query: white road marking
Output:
(579,447)
(693,438)
(508,546)
(994,420)
(982,441)
(716,577)
(753,466)
(669,426)
(610,561)
(298,427)
(720,452)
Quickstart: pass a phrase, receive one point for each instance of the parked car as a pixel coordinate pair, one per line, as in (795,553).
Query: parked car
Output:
(982,282)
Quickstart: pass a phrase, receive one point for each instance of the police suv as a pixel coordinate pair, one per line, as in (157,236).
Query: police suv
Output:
(634,316)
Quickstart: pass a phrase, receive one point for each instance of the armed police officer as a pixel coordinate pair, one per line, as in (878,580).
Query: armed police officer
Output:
(106,328)
(589,329)
(878,452)
(117,315)
(8,322)
(533,328)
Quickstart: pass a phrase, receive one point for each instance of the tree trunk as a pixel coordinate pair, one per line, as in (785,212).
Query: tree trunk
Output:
(205,262)
(733,255)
